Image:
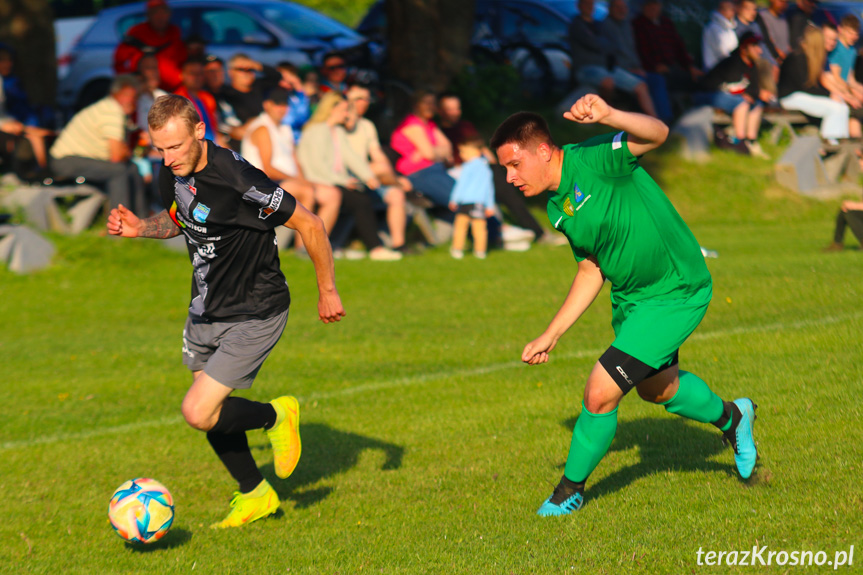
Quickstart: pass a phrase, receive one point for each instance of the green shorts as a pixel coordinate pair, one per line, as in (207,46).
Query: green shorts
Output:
(653,330)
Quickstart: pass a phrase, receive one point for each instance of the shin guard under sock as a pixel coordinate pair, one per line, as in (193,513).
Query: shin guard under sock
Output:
(239,415)
(591,439)
(233,451)
(695,400)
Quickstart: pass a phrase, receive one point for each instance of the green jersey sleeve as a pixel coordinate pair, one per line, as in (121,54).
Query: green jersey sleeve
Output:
(608,154)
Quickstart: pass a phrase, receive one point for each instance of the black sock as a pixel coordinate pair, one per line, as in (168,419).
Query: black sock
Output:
(233,451)
(723,420)
(565,489)
(239,415)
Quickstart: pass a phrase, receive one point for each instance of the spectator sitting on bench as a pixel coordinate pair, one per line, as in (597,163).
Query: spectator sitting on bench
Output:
(768,70)
(159,35)
(424,150)
(732,86)
(597,65)
(363,139)
(18,119)
(326,156)
(719,38)
(663,53)
(800,86)
(841,60)
(94,144)
(268,144)
(620,40)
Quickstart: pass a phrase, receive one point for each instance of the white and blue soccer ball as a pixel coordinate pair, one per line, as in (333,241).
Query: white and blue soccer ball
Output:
(141,510)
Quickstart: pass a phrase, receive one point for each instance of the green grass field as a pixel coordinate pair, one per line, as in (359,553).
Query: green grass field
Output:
(428,446)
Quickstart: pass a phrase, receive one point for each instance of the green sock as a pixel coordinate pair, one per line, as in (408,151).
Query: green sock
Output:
(591,439)
(695,400)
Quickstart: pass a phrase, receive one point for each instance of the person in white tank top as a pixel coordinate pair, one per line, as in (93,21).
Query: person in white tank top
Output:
(269,146)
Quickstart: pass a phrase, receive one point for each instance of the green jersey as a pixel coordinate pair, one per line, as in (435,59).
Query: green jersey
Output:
(609,207)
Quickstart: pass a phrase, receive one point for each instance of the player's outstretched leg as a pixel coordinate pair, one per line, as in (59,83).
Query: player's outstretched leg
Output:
(247,507)
(285,435)
(694,400)
(591,439)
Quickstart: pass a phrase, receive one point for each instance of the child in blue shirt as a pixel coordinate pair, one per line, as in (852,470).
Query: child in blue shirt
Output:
(472,199)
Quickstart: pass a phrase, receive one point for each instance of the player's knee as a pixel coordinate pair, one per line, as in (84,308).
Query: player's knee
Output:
(607,84)
(600,400)
(196,417)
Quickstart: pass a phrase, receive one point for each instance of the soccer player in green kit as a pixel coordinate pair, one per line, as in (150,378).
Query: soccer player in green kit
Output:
(623,228)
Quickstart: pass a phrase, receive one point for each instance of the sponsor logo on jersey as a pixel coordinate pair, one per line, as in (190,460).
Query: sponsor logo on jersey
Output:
(275,202)
(577,193)
(182,222)
(623,373)
(200,213)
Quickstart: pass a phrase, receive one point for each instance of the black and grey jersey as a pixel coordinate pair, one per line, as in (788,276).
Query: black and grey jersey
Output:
(228,212)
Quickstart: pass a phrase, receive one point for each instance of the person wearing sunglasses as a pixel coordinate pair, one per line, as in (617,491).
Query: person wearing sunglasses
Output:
(334,74)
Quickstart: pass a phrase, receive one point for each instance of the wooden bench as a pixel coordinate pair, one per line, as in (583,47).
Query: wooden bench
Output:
(781,121)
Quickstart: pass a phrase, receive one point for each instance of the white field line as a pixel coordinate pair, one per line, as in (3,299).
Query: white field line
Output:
(423,378)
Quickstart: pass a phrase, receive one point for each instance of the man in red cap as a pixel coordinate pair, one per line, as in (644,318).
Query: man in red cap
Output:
(156,35)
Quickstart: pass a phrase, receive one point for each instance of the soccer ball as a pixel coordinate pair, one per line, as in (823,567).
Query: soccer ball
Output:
(141,510)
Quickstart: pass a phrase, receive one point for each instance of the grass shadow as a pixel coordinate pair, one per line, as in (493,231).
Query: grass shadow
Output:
(663,444)
(326,453)
(176,537)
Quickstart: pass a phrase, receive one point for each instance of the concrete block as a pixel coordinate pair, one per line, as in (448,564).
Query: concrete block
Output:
(801,167)
(696,129)
(25,250)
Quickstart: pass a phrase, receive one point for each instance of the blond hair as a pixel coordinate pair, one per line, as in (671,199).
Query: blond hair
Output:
(173,106)
(812,45)
(325,107)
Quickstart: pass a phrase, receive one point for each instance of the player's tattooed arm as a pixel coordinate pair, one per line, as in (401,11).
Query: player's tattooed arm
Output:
(160,226)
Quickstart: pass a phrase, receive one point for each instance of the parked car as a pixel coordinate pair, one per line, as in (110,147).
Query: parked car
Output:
(530,35)
(269,31)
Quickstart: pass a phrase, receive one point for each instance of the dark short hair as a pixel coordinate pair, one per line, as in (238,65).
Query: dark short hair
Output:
(192,61)
(850,21)
(277,95)
(289,66)
(444,95)
(522,128)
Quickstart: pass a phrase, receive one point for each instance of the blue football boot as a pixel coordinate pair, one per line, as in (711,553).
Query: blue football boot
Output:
(564,500)
(739,435)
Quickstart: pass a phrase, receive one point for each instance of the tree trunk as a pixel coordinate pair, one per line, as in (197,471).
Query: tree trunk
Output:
(28,27)
(429,41)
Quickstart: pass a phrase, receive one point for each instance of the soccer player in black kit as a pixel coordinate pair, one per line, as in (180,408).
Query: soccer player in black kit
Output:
(228,209)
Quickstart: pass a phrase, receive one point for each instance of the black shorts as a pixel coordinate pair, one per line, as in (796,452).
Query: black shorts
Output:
(627,371)
(476,211)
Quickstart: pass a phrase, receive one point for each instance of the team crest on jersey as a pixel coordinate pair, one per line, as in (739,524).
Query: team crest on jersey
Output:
(567,207)
(578,195)
(200,213)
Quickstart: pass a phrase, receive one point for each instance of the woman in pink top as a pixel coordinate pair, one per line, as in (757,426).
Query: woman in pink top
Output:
(424,149)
